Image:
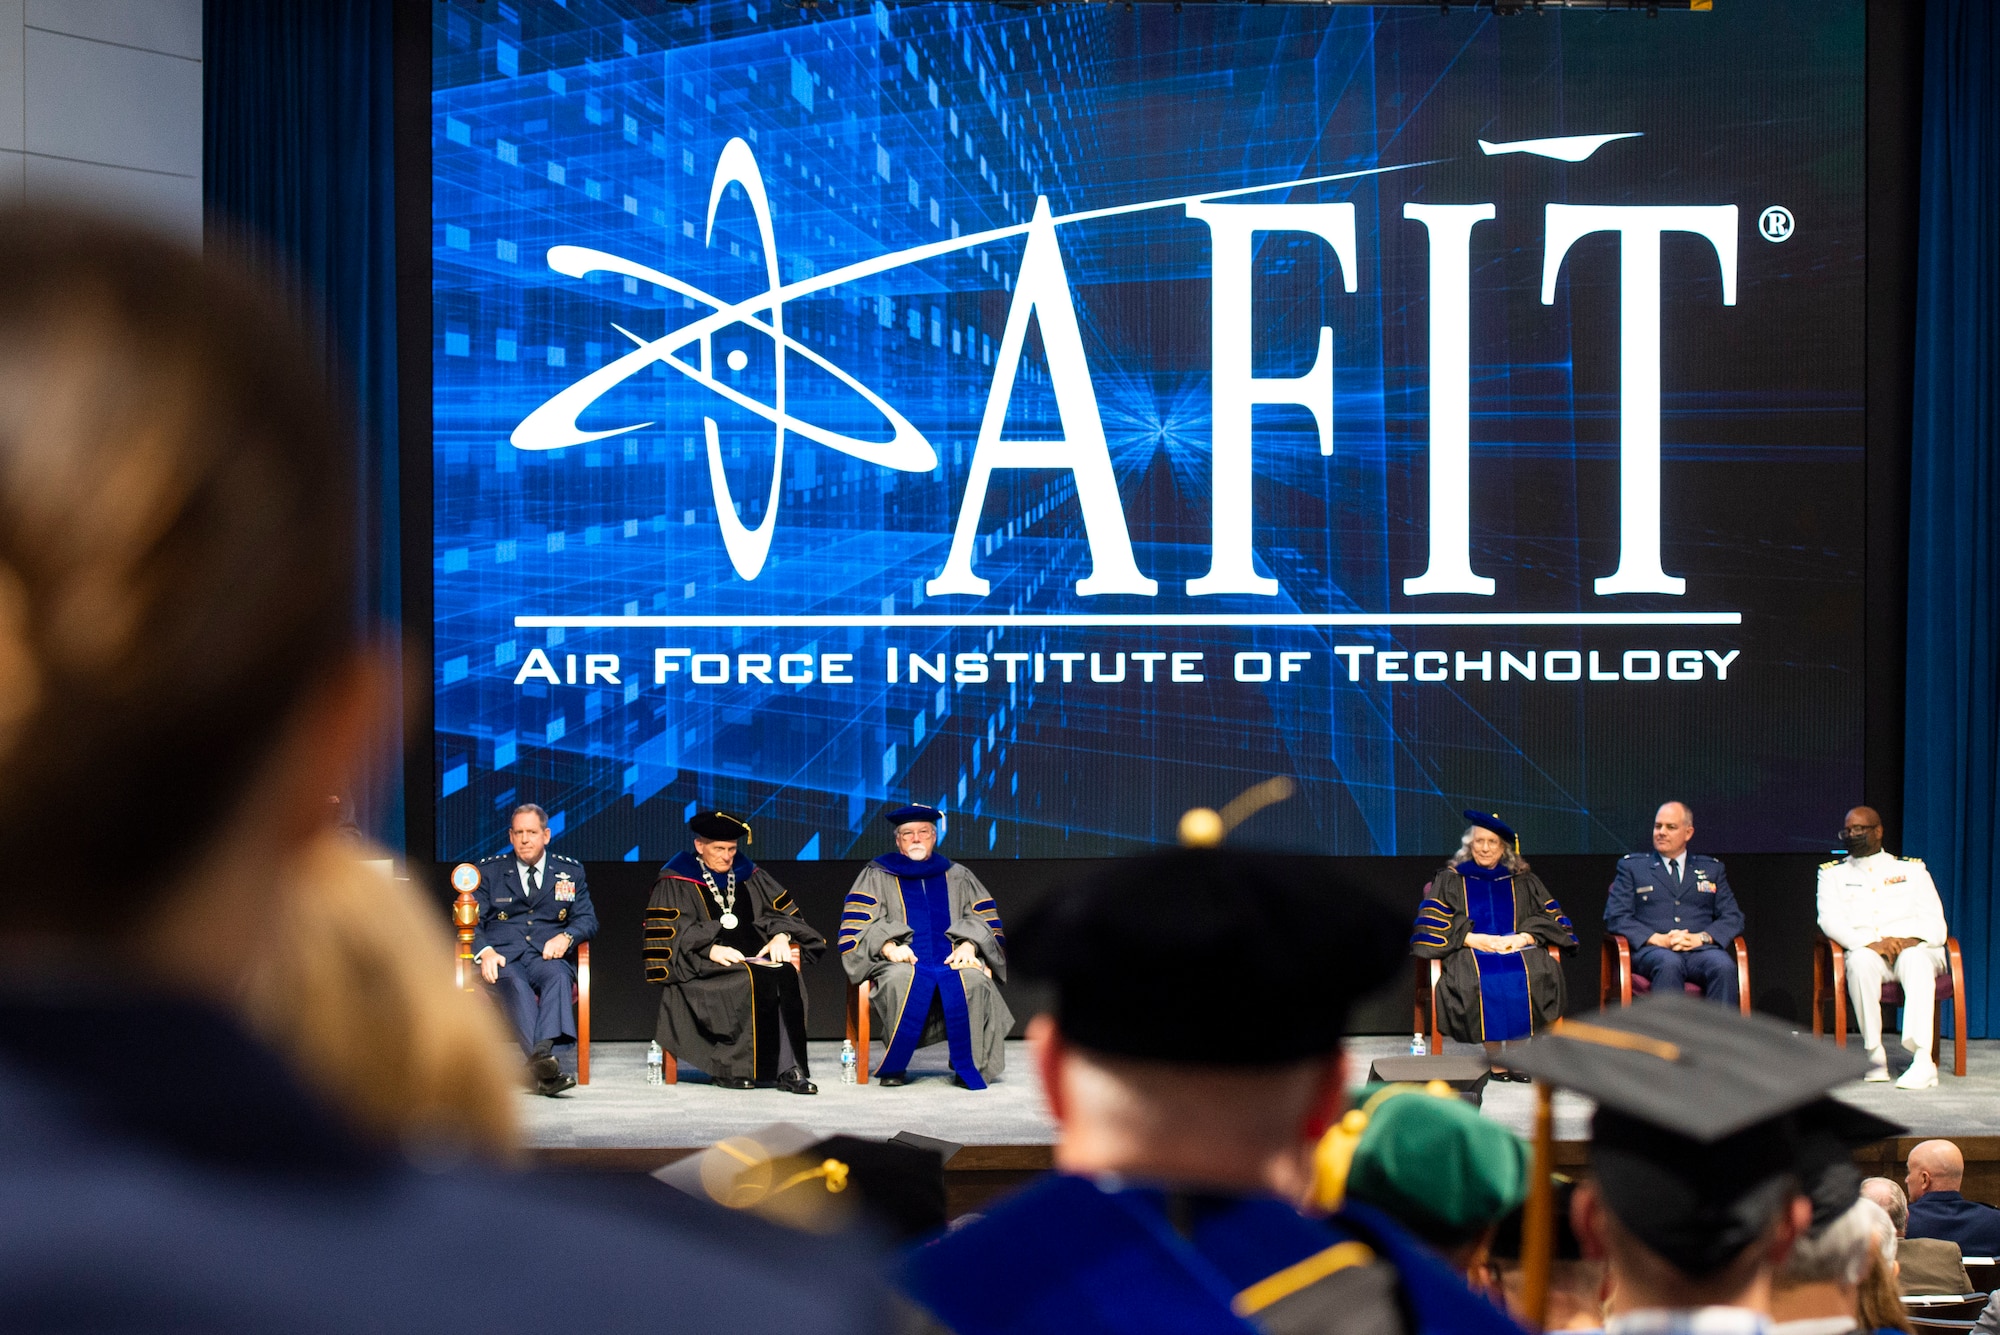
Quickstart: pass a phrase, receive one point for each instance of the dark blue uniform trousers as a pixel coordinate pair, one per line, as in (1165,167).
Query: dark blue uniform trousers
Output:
(539,997)
(1711,968)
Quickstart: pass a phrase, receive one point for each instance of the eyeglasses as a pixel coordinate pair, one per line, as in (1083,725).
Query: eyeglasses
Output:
(1858,829)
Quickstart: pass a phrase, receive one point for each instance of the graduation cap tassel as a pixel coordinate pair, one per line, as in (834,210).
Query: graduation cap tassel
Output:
(1538,1223)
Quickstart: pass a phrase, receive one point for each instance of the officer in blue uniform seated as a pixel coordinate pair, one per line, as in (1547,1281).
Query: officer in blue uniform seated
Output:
(533,908)
(1677,910)
(1192,1065)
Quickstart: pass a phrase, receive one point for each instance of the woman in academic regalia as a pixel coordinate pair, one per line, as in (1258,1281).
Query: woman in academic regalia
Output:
(719,934)
(1491,920)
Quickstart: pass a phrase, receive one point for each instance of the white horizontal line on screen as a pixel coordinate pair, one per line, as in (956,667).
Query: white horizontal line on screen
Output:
(920,621)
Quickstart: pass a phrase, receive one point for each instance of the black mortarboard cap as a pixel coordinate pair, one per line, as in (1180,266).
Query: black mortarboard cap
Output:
(782,1172)
(915,811)
(1486,820)
(721,826)
(1829,1133)
(1128,947)
(1698,1137)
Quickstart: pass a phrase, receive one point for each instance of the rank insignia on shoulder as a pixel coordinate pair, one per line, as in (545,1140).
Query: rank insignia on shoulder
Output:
(1835,863)
(1918,861)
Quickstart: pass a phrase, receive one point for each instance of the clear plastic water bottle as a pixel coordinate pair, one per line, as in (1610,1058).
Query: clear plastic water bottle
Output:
(654,1059)
(1418,1048)
(847,1060)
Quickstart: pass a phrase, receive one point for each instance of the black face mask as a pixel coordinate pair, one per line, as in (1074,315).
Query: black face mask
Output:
(1855,843)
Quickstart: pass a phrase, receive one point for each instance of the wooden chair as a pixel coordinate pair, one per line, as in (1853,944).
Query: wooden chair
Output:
(1615,978)
(1830,991)
(858,1017)
(1983,1271)
(1944,1314)
(670,1069)
(465,915)
(1424,1019)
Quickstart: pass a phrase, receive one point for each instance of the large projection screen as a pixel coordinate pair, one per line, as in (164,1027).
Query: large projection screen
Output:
(1066,416)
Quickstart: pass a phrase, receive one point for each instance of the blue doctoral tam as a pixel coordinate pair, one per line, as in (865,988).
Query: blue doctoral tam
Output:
(1486,820)
(913,812)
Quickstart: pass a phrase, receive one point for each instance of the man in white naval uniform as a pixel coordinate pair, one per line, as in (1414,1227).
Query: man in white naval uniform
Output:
(1885,913)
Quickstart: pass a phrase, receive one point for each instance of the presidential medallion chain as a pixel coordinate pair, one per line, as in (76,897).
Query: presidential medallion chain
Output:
(728,906)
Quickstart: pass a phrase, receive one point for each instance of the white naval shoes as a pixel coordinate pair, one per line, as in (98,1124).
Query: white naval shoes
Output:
(1878,1066)
(1923,1074)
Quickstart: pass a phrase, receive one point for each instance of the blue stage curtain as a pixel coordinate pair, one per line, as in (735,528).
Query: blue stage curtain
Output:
(299,161)
(1952,748)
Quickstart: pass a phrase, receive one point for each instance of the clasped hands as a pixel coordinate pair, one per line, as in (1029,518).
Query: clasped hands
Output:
(778,950)
(1499,945)
(1891,946)
(964,955)
(1677,940)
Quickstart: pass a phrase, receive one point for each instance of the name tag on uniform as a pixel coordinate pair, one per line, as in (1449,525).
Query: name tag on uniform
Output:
(565,887)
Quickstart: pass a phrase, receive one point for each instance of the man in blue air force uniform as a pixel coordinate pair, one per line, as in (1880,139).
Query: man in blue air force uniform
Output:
(533,908)
(1677,910)
(926,936)
(1187,1115)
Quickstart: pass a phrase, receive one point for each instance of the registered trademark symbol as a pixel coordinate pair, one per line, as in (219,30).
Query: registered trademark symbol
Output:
(1775,223)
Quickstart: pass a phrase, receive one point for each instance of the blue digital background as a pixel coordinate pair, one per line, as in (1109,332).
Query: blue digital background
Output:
(877,130)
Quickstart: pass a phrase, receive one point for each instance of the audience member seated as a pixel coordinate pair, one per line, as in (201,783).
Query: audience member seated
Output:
(1677,910)
(1885,913)
(1925,1267)
(1578,1287)
(183,680)
(1187,1118)
(719,936)
(1435,1166)
(926,936)
(1937,1210)
(533,908)
(1490,919)
(1817,1290)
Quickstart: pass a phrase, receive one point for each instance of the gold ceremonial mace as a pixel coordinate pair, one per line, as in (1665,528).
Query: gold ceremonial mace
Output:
(1538,1221)
(465,912)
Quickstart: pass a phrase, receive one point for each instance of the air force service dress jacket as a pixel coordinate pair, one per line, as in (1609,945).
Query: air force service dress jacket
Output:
(518,926)
(1645,899)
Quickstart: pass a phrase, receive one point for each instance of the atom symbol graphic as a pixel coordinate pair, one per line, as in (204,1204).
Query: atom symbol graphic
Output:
(553,425)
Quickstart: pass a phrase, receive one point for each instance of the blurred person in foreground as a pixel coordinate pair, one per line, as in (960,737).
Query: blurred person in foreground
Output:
(1427,1159)
(1712,1149)
(181,669)
(1578,1286)
(1924,1266)
(1818,1289)
(1187,1118)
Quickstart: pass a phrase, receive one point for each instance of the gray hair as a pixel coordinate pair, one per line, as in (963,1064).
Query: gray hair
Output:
(1509,859)
(1840,1252)
(540,814)
(1686,810)
(1888,1193)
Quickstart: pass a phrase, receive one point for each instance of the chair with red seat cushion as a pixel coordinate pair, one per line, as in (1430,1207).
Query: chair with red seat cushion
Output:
(1830,991)
(1616,979)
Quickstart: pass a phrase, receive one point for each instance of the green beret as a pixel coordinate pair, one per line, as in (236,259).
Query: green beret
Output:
(1437,1167)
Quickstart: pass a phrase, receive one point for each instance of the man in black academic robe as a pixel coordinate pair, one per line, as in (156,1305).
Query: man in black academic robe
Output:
(720,932)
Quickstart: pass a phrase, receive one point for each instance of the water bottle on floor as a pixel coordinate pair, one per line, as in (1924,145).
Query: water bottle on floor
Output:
(1417,1045)
(847,1059)
(654,1058)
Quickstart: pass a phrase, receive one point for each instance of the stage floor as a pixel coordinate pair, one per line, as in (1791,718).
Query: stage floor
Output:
(619,1110)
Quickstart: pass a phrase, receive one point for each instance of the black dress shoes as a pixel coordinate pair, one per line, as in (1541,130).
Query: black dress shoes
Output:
(542,1066)
(891,1079)
(551,1088)
(734,1082)
(794,1081)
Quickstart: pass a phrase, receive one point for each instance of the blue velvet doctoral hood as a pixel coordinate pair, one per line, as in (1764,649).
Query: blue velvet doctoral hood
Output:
(686,864)
(898,865)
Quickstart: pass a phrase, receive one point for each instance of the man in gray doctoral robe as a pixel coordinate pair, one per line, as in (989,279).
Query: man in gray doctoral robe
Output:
(927,937)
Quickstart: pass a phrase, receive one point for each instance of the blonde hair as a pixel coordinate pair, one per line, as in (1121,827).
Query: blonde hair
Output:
(356,990)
